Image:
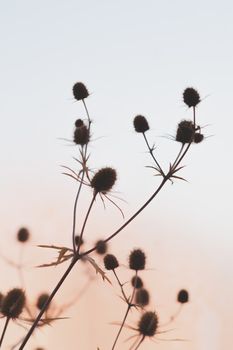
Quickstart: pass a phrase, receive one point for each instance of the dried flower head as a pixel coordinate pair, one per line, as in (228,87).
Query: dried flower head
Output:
(23,235)
(104,180)
(142,297)
(137,260)
(136,282)
(41,300)
(13,303)
(183,296)
(148,324)
(101,247)
(185,131)
(140,124)
(77,240)
(191,97)
(81,135)
(198,137)
(78,123)
(80,91)
(110,262)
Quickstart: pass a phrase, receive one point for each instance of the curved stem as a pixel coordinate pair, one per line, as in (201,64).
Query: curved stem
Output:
(152,155)
(4,330)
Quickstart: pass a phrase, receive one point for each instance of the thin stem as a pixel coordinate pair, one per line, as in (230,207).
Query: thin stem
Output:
(126,314)
(179,153)
(36,321)
(4,330)
(152,155)
(88,115)
(143,337)
(194,117)
(85,221)
(121,286)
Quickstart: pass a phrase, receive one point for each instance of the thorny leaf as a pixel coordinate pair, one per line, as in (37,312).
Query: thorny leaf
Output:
(62,254)
(97,268)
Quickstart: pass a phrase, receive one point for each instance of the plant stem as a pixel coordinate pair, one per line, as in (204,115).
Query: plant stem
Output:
(121,286)
(152,155)
(143,337)
(4,330)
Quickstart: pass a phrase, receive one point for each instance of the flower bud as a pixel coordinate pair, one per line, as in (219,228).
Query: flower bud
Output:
(23,235)
(101,247)
(140,124)
(80,91)
(104,180)
(142,297)
(191,97)
(183,296)
(137,260)
(110,262)
(136,282)
(13,303)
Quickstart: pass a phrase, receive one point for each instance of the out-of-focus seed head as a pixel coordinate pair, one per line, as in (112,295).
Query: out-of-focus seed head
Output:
(81,135)
(1,299)
(183,296)
(78,123)
(191,97)
(13,303)
(137,260)
(104,180)
(140,124)
(41,300)
(136,282)
(110,262)
(142,297)
(23,235)
(80,91)
(198,137)
(148,324)
(185,131)
(101,247)
(77,240)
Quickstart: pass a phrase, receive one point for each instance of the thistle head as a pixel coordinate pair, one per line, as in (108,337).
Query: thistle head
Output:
(13,303)
(148,324)
(136,282)
(140,124)
(23,235)
(198,137)
(142,297)
(80,91)
(101,247)
(137,260)
(185,131)
(183,296)
(103,180)
(191,97)
(110,262)
(81,135)
(41,300)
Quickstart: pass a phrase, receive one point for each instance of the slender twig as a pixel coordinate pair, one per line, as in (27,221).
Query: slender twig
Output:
(126,313)
(140,342)
(152,155)
(4,330)
(121,286)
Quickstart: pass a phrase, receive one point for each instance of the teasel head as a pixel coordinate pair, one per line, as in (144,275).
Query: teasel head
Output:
(183,296)
(103,180)
(140,124)
(110,262)
(23,235)
(136,282)
(148,324)
(13,303)
(81,135)
(142,297)
(191,97)
(137,260)
(80,91)
(185,132)
(41,300)
(101,247)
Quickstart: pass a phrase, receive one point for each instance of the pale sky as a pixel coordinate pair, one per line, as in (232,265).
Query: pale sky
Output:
(135,58)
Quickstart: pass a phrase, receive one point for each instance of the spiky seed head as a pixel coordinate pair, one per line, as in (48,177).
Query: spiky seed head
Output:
(137,260)
(148,324)
(13,303)
(198,137)
(80,91)
(23,235)
(110,262)
(104,180)
(136,282)
(191,97)
(185,131)
(101,247)
(77,240)
(140,124)
(183,296)
(78,123)
(81,135)
(41,300)
(142,297)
